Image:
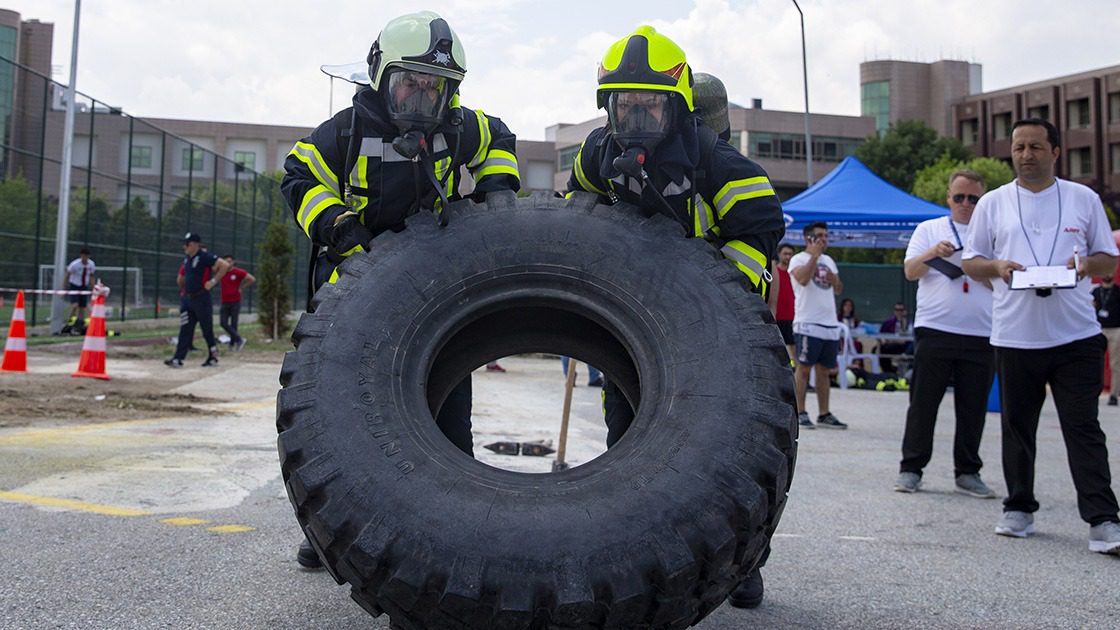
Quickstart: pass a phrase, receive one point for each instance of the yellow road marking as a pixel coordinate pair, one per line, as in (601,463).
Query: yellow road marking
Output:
(70,504)
(184,520)
(112,510)
(230,529)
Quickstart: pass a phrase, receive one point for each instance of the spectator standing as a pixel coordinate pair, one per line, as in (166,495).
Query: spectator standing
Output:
(951,332)
(816,332)
(1047,337)
(79,277)
(783,315)
(1106,299)
(196,306)
(233,282)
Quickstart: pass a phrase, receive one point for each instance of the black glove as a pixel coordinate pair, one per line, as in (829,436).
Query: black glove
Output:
(348,234)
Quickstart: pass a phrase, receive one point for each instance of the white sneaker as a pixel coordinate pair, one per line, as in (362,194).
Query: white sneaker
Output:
(1015,524)
(1105,538)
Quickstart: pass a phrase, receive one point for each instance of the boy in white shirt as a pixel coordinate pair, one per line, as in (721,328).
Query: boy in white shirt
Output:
(816,333)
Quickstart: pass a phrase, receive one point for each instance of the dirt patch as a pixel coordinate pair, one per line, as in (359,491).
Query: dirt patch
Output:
(60,399)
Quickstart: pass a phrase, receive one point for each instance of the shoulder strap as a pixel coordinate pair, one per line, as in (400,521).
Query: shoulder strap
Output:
(708,139)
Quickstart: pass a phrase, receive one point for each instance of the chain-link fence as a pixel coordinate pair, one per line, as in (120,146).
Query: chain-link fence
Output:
(875,289)
(136,188)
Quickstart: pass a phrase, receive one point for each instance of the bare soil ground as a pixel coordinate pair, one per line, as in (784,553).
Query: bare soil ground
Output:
(141,386)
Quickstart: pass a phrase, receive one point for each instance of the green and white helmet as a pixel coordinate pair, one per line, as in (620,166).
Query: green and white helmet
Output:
(416,64)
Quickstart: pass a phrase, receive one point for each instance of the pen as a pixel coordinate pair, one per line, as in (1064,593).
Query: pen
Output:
(1076,264)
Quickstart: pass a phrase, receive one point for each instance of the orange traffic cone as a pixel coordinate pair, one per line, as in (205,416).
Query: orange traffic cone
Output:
(92,362)
(15,348)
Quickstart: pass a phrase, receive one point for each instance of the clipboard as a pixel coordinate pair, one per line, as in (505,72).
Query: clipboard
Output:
(945,267)
(1043,277)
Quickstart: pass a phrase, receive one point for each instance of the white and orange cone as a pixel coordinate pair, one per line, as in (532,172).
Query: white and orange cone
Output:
(15,348)
(92,362)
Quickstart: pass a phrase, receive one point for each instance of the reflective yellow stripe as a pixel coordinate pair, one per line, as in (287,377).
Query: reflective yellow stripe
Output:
(581,178)
(483,139)
(705,220)
(750,261)
(740,189)
(314,202)
(499,162)
(441,167)
(309,155)
(359,178)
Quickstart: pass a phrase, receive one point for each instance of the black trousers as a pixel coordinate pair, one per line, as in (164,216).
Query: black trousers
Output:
(194,310)
(941,358)
(454,417)
(1075,374)
(617,412)
(228,315)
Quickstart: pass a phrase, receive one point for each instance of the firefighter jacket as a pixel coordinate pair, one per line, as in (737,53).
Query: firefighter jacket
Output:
(729,202)
(384,186)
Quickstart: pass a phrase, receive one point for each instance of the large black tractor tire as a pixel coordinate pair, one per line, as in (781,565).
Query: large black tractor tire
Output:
(654,533)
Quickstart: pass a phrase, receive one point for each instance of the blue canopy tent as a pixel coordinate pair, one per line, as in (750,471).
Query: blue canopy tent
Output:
(861,209)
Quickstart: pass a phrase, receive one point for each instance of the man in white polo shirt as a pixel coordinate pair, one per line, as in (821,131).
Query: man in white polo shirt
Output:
(816,281)
(1047,336)
(950,343)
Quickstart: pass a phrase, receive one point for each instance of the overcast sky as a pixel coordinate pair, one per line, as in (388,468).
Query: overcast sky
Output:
(533,63)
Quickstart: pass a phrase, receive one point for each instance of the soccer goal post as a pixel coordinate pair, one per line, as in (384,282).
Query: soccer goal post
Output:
(116,278)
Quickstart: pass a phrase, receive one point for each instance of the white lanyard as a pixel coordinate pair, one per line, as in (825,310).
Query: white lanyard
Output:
(1057,227)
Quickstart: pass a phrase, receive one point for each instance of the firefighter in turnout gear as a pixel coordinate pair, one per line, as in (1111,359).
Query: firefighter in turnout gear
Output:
(398,150)
(655,153)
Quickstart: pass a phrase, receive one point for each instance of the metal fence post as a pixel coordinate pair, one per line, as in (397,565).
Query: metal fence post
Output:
(127,219)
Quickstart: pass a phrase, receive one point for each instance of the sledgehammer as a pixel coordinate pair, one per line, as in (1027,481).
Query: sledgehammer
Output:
(561,449)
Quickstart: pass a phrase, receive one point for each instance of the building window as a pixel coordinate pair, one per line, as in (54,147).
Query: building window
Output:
(141,157)
(1080,163)
(1116,159)
(970,131)
(248,159)
(568,157)
(1001,127)
(1114,107)
(1041,112)
(876,102)
(1078,113)
(736,140)
(192,159)
(789,146)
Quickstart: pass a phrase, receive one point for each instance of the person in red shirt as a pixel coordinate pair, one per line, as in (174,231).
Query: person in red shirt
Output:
(784,313)
(233,282)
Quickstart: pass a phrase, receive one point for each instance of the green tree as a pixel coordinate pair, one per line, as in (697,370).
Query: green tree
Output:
(274,270)
(906,148)
(932,181)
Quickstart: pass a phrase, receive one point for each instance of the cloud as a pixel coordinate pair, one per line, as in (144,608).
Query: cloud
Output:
(534,63)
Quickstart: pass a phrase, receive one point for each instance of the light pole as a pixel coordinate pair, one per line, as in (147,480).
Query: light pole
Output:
(805,80)
(58,304)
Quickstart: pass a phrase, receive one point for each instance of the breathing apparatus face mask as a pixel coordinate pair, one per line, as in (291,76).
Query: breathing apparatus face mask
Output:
(639,118)
(417,103)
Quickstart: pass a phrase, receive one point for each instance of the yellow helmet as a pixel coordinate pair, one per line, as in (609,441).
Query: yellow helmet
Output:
(645,60)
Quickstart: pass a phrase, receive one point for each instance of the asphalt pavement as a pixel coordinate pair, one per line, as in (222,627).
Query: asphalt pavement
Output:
(183,522)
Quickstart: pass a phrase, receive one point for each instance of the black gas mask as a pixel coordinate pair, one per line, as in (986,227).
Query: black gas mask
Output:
(417,103)
(639,119)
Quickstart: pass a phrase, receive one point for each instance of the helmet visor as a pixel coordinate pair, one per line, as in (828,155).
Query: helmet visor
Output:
(639,113)
(417,95)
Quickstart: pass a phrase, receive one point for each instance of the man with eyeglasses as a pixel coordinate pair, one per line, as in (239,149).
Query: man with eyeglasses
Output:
(816,333)
(1047,336)
(951,330)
